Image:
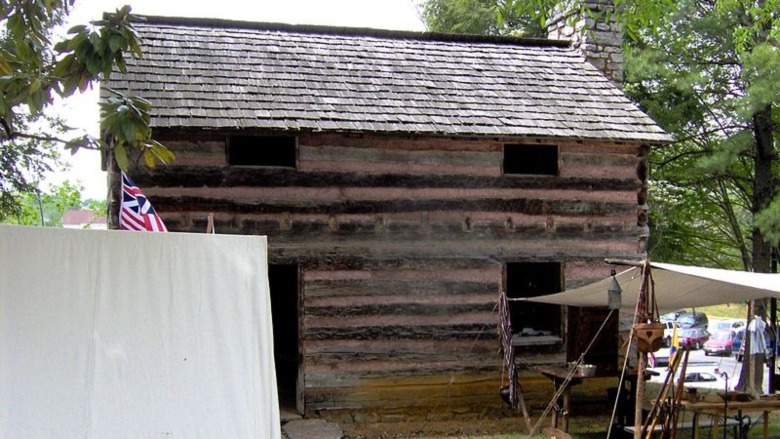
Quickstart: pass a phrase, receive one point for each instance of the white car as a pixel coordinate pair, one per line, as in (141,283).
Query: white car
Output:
(725,325)
(705,379)
(693,378)
(668,331)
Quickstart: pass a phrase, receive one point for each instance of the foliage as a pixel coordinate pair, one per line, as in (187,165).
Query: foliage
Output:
(634,15)
(481,17)
(22,162)
(47,208)
(100,207)
(699,76)
(36,67)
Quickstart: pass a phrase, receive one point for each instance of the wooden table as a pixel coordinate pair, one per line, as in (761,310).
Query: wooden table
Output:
(760,405)
(558,375)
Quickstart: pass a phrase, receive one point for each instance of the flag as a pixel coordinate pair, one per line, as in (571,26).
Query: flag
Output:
(675,344)
(135,211)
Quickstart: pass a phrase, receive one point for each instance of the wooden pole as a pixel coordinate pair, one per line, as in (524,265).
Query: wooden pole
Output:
(643,308)
(640,395)
(210,223)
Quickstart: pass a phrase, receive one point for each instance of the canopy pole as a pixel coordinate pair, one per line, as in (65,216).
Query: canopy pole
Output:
(642,305)
(640,396)
(626,262)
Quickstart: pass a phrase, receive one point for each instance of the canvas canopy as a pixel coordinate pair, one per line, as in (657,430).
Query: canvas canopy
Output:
(676,287)
(112,334)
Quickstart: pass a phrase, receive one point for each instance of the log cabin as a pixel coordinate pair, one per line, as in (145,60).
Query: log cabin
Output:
(404,180)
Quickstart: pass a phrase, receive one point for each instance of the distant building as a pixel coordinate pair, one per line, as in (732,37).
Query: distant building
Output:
(84,219)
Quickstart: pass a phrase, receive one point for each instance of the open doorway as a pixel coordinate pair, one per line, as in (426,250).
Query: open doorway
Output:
(283,283)
(530,279)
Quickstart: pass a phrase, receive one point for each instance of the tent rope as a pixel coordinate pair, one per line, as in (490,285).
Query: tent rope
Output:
(620,384)
(569,376)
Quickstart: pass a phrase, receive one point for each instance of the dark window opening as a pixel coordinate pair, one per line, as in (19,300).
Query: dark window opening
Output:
(529,279)
(531,159)
(279,151)
(283,283)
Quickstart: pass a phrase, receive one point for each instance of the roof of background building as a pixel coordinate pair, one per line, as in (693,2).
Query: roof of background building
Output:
(216,74)
(79,218)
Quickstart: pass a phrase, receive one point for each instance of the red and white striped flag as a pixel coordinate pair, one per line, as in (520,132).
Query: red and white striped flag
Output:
(135,211)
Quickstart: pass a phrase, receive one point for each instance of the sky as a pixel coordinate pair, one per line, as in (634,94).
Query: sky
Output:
(82,112)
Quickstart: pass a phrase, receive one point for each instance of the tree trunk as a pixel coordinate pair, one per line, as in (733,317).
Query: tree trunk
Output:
(752,375)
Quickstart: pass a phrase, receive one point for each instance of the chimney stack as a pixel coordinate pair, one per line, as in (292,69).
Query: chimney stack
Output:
(594,30)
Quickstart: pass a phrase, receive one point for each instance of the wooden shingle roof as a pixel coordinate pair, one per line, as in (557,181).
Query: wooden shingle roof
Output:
(231,75)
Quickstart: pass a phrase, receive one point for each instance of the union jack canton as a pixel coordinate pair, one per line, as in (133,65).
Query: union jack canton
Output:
(136,212)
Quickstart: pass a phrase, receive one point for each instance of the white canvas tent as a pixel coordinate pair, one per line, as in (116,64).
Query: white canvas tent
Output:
(111,334)
(676,287)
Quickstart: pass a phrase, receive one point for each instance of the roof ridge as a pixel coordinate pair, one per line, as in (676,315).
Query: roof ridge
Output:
(348,31)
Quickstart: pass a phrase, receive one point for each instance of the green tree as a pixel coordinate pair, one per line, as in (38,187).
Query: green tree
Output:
(36,67)
(23,162)
(709,72)
(480,17)
(47,208)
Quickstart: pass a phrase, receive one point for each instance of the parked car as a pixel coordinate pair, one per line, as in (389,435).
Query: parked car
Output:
(668,332)
(725,326)
(738,340)
(768,351)
(700,377)
(704,380)
(694,338)
(695,319)
(684,319)
(720,343)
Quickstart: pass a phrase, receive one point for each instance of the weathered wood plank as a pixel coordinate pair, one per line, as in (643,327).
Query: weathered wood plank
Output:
(290,228)
(407,141)
(232,177)
(374,290)
(482,347)
(399,309)
(335,372)
(395,320)
(529,206)
(422,272)
(423,390)
(369,156)
(336,261)
(407,331)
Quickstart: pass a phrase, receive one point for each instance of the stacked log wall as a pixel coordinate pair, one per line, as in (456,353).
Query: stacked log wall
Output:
(401,242)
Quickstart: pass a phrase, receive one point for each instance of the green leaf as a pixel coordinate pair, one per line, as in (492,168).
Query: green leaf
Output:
(115,42)
(77,29)
(128,131)
(149,158)
(163,154)
(35,85)
(120,155)
(96,41)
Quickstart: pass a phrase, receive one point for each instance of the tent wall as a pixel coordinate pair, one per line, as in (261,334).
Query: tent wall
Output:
(111,334)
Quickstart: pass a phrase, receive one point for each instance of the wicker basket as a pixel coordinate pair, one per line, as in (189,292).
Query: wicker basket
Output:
(649,336)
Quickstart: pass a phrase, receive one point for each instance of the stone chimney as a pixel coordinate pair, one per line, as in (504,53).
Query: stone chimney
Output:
(594,30)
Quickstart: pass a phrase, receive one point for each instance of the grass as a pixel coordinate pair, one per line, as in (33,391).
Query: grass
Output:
(726,311)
